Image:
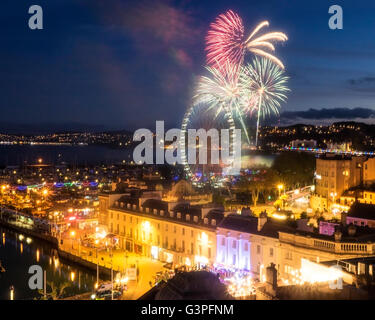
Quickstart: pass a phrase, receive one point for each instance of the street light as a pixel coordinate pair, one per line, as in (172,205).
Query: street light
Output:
(280,187)
(333,195)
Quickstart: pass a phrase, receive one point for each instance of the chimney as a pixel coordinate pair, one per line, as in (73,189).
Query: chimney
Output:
(338,235)
(344,215)
(352,230)
(271,280)
(262,219)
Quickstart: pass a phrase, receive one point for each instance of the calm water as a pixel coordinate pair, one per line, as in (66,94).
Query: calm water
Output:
(78,155)
(89,155)
(17,256)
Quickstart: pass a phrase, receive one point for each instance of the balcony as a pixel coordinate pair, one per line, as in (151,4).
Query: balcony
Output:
(344,248)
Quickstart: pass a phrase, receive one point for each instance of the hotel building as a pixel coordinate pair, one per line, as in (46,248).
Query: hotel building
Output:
(174,232)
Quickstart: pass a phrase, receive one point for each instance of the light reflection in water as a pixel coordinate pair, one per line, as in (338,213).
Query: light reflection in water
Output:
(17,256)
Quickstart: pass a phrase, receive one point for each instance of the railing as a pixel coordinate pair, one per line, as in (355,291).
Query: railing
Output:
(327,245)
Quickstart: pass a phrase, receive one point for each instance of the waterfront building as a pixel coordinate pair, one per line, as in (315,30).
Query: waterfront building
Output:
(182,234)
(174,232)
(251,244)
(247,243)
(349,242)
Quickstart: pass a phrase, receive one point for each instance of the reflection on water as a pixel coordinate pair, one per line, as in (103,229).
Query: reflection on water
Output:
(18,255)
(77,155)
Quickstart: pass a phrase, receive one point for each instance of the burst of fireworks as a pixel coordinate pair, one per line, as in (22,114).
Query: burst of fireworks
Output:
(225,40)
(264,41)
(222,92)
(265,82)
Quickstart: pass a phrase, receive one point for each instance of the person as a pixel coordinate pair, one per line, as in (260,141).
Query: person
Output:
(150,282)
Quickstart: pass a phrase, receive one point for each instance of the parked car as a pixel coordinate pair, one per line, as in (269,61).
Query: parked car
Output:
(106,295)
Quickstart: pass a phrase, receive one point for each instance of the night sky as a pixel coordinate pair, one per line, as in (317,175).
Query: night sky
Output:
(125,64)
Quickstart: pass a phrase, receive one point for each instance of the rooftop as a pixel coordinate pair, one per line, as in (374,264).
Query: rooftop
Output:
(362,210)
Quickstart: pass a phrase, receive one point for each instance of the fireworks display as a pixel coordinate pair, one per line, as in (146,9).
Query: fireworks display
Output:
(232,88)
(225,41)
(222,92)
(265,81)
(259,44)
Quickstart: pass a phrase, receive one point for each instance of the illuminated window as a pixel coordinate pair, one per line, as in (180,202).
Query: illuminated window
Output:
(258,249)
(271,252)
(183,231)
(289,256)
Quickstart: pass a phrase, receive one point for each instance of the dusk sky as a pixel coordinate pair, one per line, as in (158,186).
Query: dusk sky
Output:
(125,64)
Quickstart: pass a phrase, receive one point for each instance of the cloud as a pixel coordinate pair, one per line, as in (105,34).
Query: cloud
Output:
(326,116)
(335,113)
(363,84)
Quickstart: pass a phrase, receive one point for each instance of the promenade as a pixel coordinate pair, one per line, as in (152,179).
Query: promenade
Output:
(119,261)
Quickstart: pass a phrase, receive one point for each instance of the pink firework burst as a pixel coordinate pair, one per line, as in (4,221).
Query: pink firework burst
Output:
(225,41)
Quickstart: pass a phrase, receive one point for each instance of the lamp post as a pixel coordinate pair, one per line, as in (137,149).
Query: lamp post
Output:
(112,272)
(280,187)
(97,268)
(333,195)
(11,293)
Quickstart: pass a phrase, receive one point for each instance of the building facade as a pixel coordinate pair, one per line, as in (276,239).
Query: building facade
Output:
(170,232)
(334,175)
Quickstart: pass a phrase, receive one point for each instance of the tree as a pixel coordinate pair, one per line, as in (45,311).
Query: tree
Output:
(295,169)
(57,291)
